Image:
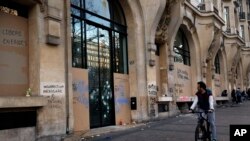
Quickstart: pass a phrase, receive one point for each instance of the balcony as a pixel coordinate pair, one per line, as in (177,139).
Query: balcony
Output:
(201,6)
(242,16)
(228,30)
(216,11)
(247,44)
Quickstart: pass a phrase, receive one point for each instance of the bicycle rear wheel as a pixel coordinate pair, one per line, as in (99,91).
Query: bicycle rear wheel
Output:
(200,133)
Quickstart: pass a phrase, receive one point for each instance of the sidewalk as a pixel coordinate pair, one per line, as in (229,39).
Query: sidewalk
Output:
(92,133)
(178,128)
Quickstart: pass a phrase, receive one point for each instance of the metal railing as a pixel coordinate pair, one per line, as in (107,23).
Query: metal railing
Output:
(198,4)
(248,16)
(242,15)
(202,6)
(228,30)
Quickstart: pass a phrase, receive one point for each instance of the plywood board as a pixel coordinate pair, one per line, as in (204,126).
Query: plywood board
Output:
(183,80)
(122,99)
(80,99)
(13,55)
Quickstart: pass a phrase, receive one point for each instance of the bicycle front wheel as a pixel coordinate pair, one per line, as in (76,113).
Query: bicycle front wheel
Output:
(200,133)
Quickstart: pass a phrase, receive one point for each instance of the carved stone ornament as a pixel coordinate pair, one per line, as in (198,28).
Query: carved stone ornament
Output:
(236,60)
(162,28)
(42,4)
(215,45)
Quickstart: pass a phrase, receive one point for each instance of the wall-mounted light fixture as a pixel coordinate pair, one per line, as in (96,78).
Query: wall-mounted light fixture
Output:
(151,49)
(171,62)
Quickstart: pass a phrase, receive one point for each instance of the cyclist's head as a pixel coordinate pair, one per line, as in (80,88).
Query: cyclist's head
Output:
(201,85)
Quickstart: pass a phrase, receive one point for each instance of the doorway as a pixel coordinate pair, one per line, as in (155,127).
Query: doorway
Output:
(100,76)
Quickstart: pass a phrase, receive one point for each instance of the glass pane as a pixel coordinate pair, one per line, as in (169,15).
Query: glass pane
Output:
(75,12)
(187,60)
(77,43)
(100,7)
(178,58)
(120,28)
(93,71)
(120,53)
(178,41)
(185,43)
(105,76)
(181,49)
(98,20)
(75,2)
(92,50)
(118,14)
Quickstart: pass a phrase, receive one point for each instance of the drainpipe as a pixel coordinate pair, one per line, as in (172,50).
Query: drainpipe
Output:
(66,12)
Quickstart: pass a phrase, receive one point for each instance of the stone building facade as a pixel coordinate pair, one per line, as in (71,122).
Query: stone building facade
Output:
(95,63)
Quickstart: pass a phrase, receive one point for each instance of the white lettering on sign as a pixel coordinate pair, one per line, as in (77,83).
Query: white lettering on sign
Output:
(52,88)
(239,132)
(12,37)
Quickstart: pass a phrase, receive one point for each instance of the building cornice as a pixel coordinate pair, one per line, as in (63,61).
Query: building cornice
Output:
(236,37)
(205,14)
(246,49)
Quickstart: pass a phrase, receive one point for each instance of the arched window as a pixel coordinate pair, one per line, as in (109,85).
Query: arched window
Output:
(99,44)
(237,72)
(217,64)
(99,22)
(181,49)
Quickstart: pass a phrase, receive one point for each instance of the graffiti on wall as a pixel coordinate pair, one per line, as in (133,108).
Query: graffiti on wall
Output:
(179,88)
(152,92)
(12,37)
(182,74)
(120,96)
(122,99)
(55,102)
(132,62)
(54,92)
(218,88)
(152,89)
(80,89)
(152,104)
(183,83)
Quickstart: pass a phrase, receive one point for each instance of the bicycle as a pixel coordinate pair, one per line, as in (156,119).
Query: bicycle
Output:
(202,130)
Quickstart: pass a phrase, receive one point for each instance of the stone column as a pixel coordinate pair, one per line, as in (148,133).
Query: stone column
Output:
(152,86)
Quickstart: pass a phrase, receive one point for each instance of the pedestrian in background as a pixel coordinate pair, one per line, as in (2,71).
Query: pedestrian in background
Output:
(238,96)
(224,93)
(248,93)
(233,95)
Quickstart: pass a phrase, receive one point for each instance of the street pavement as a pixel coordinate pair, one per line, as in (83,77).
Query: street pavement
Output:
(179,128)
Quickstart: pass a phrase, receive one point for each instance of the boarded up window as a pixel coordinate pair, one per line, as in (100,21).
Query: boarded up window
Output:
(13,55)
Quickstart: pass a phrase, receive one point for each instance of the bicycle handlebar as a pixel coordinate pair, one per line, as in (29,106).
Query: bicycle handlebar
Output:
(202,112)
(205,111)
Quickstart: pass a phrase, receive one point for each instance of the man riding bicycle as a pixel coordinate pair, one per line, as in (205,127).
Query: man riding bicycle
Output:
(204,100)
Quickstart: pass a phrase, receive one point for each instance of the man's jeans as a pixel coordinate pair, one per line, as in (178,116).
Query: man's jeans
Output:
(211,119)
